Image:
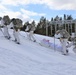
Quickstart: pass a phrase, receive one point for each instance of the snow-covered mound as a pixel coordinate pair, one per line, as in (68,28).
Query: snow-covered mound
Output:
(30,58)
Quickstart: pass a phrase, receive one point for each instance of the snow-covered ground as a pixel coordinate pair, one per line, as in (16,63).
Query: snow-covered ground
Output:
(31,58)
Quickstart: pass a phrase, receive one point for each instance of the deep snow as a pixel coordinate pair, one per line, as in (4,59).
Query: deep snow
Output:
(31,58)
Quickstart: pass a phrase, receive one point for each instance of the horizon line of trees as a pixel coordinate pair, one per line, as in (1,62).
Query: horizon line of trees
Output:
(44,26)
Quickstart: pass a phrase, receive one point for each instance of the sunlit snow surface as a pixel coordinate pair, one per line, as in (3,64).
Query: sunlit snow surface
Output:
(30,58)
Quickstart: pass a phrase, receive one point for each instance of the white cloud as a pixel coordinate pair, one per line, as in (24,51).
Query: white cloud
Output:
(2,7)
(21,2)
(31,13)
(16,15)
(61,4)
(52,4)
(26,15)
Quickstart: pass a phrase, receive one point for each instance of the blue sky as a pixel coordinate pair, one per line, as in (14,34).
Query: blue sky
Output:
(29,10)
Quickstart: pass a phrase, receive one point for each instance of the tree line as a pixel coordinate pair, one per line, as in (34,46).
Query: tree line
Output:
(49,27)
(45,27)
